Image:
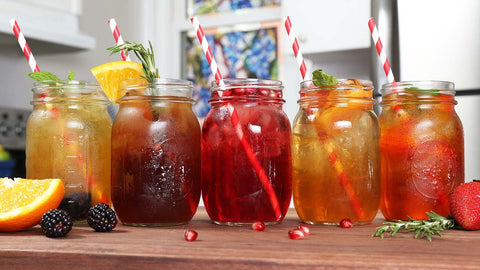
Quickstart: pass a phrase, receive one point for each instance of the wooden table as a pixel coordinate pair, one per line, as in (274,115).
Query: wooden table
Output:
(221,247)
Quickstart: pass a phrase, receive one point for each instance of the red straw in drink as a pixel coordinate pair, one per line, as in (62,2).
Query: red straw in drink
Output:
(24,46)
(344,179)
(236,121)
(118,37)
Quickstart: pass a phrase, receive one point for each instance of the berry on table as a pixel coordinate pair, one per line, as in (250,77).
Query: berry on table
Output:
(56,223)
(346,223)
(102,218)
(191,235)
(258,226)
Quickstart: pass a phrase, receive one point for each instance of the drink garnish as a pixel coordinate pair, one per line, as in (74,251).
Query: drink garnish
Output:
(47,77)
(146,57)
(434,225)
(433,92)
(321,78)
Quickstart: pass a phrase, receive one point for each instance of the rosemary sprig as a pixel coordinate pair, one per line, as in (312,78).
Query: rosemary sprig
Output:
(434,225)
(146,56)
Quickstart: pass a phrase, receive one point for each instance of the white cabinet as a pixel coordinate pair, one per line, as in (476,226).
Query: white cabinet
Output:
(327,26)
(52,26)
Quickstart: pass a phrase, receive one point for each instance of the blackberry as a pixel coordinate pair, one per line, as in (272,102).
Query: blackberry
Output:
(102,218)
(56,223)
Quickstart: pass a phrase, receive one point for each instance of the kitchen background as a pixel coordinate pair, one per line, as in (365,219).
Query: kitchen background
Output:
(429,39)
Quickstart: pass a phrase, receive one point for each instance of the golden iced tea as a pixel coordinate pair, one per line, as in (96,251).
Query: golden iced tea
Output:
(68,137)
(336,154)
(422,152)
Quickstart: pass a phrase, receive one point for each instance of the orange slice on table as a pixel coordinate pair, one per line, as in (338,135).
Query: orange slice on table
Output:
(110,76)
(24,201)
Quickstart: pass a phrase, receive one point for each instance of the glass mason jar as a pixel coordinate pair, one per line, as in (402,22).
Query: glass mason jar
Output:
(336,157)
(156,154)
(246,153)
(68,137)
(422,152)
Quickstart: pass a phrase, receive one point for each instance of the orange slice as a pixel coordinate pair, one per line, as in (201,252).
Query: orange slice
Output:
(24,201)
(110,76)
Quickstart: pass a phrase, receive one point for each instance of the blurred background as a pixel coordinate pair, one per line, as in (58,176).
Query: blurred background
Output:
(428,39)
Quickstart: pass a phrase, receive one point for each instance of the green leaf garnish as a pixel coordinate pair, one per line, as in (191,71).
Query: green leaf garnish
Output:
(44,77)
(71,76)
(433,92)
(146,56)
(321,78)
(434,225)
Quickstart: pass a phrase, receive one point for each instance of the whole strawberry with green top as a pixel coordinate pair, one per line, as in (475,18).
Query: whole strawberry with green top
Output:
(465,205)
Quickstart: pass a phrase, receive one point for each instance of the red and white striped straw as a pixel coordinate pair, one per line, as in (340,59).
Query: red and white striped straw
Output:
(296,49)
(118,37)
(236,122)
(380,51)
(24,46)
(208,53)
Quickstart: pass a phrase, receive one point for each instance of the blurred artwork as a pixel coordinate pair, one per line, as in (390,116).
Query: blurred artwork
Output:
(245,53)
(199,7)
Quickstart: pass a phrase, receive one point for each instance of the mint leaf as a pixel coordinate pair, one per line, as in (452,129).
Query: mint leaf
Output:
(44,76)
(71,76)
(433,92)
(321,78)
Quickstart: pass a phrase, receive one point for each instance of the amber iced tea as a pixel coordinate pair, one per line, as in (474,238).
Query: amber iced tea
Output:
(336,154)
(422,151)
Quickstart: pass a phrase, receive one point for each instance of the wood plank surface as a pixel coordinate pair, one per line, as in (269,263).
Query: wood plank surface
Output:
(222,247)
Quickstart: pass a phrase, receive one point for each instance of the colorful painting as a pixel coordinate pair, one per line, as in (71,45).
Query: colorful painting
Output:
(199,7)
(251,53)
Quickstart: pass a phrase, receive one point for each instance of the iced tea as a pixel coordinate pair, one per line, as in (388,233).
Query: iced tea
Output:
(232,190)
(156,155)
(336,157)
(422,152)
(68,137)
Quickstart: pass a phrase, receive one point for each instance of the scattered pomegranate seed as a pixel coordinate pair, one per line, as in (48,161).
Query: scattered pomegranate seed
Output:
(258,226)
(346,223)
(191,235)
(304,228)
(296,234)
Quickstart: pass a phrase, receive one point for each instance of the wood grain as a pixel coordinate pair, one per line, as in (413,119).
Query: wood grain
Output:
(220,247)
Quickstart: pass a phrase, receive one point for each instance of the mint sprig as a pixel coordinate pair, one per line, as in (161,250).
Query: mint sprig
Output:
(321,78)
(47,77)
(433,92)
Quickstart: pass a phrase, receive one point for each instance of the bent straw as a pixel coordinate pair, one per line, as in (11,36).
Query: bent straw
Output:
(236,122)
(24,46)
(118,38)
(337,165)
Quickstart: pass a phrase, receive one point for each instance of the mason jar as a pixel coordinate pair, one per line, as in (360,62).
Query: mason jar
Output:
(246,153)
(68,137)
(156,154)
(336,157)
(422,151)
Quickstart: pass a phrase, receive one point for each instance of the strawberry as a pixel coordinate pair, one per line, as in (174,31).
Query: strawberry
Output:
(465,205)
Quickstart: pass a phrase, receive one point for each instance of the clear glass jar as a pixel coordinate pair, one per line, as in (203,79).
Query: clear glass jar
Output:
(156,154)
(336,157)
(246,153)
(68,137)
(422,151)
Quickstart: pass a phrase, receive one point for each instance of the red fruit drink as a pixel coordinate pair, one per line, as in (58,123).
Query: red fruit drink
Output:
(231,188)
(156,155)
(422,151)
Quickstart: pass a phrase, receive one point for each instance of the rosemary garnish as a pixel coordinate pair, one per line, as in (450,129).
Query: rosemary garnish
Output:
(434,225)
(146,56)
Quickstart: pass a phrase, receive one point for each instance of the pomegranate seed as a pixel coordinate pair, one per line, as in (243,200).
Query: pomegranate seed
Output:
(264,92)
(346,223)
(191,235)
(296,234)
(227,93)
(305,229)
(238,91)
(258,226)
(251,91)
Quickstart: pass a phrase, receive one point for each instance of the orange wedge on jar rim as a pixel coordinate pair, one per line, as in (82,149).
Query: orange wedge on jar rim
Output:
(110,76)
(23,201)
